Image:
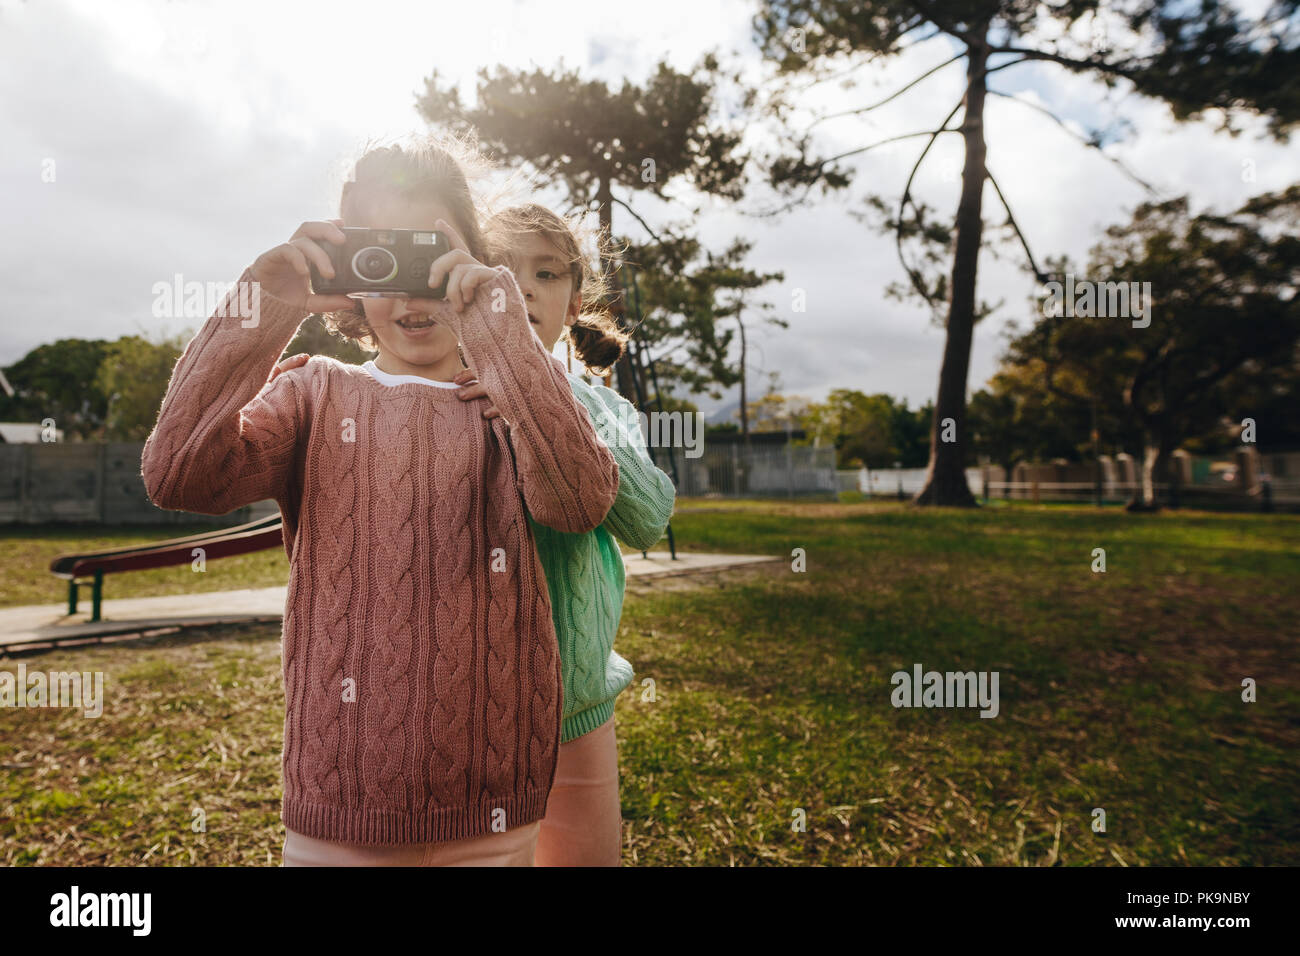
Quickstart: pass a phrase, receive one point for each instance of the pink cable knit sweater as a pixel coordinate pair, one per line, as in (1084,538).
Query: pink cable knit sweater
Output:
(421,674)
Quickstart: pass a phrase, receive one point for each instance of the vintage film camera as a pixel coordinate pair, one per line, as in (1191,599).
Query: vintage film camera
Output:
(383,262)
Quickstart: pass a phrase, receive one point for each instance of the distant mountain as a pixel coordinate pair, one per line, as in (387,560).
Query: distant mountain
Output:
(728,414)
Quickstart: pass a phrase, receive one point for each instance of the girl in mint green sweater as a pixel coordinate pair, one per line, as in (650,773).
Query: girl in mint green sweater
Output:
(584,572)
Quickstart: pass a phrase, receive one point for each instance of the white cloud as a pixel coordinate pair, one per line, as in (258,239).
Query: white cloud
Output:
(190,136)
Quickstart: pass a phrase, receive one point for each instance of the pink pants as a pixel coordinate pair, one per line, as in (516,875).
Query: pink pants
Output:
(514,847)
(583,825)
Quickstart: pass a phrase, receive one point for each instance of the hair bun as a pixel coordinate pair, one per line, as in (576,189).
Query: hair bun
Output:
(598,342)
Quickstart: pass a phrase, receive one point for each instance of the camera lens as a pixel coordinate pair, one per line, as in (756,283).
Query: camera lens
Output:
(374,264)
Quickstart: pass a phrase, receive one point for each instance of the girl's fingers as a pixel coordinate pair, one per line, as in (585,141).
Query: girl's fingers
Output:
(443,265)
(474,278)
(293,361)
(462,282)
(470,392)
(457,241)
(316,254)
(293,257)
(452,296)
(285,271)
(328,231)
(492,412)
(271,263)
(464,376)
(465,280)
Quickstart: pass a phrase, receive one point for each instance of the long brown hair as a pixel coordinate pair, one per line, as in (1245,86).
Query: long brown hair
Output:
(416,169)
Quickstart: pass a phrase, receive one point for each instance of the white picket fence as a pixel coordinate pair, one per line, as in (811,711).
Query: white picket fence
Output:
(885,482)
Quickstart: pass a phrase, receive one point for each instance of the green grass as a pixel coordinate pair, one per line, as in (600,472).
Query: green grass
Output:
(769,697)
(26,552)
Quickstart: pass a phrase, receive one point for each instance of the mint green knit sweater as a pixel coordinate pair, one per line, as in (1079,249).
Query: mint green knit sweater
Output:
(584,572)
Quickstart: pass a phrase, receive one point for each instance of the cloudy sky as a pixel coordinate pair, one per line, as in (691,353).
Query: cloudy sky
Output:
(188,136)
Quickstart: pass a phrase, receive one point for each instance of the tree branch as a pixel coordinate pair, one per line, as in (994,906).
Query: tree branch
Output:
(1073,64)
(1050,368)
(1133,391)
(894,139)
(644,226)
(928,36)
(1086,142)
(839,74)
(665,351)
(1003,66)
(926,10)
(891,96)
(1038,274)
(781,210)
(917,284)
(920,20)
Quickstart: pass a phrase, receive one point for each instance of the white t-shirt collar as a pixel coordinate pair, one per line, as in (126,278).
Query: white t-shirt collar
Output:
(387,378)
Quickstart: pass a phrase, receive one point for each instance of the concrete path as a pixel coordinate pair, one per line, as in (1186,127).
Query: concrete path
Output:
(41,625)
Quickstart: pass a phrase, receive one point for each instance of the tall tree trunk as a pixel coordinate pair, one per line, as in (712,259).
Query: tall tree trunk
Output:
(744,395)
(744,411)
(605,199)
(945,480)
(1155,458)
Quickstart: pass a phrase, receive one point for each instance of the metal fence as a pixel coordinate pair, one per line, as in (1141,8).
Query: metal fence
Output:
(100,482)
(734,471)
(93,482)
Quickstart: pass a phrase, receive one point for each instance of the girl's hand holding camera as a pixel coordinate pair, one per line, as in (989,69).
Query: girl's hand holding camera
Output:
(463,272)
(283,271)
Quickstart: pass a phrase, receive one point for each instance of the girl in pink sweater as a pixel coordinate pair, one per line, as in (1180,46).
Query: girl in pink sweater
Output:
(421,674)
